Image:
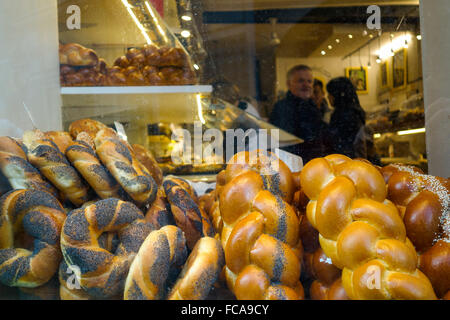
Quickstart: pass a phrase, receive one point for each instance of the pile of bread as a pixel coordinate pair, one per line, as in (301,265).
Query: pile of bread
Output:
(96,213)
(147,66)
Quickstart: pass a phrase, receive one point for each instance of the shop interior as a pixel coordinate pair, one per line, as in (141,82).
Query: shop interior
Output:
(251,45)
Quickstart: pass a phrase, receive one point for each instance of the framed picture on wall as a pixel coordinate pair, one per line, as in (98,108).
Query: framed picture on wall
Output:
(384,72)
(399,69)
(359,78)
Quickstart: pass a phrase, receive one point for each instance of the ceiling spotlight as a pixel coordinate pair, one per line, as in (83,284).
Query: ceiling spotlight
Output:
(350,36)
(186,18)
(337,40)
(392,53)
(330,47)
(392,35)
(185,34)
(370,36)
(196,67)
(365,33)
(323,52)
(419,37)
(406,44)
(378,59)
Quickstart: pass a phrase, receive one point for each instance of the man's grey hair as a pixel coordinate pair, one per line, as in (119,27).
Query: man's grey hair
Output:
(299,67)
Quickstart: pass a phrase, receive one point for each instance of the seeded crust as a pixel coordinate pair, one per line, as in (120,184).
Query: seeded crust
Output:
(45,155)
(187,214)
(126,169)
(41,216)
(18,171)
(84,159)
(103,272)
(157,265)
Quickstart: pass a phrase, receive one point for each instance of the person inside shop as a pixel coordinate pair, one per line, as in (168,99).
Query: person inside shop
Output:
(347,130)
(320,100)
(298,114)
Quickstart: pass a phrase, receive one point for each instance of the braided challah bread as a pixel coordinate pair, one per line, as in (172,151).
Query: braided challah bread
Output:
(89,126)
(200,271)
(159,214)
(40,216)
(362,232)
(45,155)
(149,162)
(156,265)
(423,201)
(83,157)
(102,273)
(126,169)
(18,171)
(187,214)
(74,54)
(260,234)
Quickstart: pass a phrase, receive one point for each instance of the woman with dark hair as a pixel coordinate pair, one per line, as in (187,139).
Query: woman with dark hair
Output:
(348,120)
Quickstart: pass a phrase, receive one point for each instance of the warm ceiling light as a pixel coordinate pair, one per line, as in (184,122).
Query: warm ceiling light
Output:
(406,44)
(185,34)
(350,36)
(412,131)
(323,52)
(377,135)
(419,37)
(337,40)
(378,59)
(196,67)
(330,47)
(186,18)
(371,36)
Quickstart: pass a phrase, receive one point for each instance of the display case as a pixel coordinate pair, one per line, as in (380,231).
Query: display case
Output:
(224,150)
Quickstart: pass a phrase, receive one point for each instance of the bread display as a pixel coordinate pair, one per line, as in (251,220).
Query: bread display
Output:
(423,201)
(361,231)
(338,229)
(146,66)
(260,233)
(32,219)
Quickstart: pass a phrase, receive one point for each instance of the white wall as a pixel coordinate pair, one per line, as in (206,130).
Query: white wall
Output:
(30,66)
(436,74)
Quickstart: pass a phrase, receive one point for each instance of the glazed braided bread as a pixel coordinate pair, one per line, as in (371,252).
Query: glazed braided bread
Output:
(361,231)
(103,273)
(260,233)
(423,201)
(40,216)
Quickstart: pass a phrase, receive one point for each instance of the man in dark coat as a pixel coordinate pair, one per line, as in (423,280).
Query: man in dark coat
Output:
(298,115)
